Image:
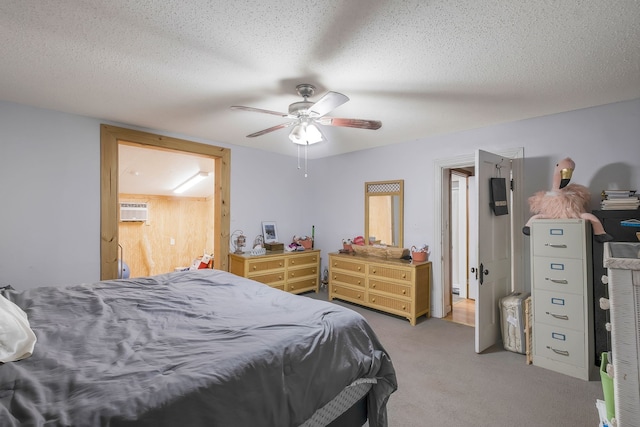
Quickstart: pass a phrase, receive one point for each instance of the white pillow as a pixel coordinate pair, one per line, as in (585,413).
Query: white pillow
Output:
(16,337)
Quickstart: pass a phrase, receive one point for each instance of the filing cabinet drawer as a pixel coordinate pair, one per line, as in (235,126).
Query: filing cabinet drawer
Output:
(562,239)
(561,310)
(560,344)
(560,275)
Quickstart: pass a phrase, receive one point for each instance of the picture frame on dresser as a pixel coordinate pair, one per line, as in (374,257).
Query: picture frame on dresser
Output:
(269,231)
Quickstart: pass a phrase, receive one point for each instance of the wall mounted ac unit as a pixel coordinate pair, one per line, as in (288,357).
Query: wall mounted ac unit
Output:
(134,212)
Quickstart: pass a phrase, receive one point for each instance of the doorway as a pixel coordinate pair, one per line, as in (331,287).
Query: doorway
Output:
(441,268)
(461,248)
(110,137)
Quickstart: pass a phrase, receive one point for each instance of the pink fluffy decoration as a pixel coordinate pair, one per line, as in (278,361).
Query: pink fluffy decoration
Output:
(568,202)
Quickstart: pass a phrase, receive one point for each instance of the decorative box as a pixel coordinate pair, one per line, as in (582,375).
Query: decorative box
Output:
(274,246)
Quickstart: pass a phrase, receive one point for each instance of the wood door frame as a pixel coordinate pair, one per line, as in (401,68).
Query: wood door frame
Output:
(110,137)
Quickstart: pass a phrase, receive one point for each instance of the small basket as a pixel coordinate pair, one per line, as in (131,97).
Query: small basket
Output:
(305,243)
(418,256)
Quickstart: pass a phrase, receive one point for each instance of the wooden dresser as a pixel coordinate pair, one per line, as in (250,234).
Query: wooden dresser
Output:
(294,272)
(391,285)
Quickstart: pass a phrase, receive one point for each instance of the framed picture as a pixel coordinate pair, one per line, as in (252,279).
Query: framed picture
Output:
(269,231)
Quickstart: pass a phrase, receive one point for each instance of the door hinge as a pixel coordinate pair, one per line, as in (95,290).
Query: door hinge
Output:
(511,185)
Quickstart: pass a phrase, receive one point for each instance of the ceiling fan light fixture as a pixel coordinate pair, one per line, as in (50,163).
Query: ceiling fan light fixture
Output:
(298,135)
(306,134)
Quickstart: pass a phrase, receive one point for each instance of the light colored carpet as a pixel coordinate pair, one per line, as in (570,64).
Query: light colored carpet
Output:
(443,382)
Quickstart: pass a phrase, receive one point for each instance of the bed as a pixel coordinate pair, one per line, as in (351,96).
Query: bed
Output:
(193,348)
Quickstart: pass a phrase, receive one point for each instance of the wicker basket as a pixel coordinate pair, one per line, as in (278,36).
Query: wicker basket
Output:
(388,252)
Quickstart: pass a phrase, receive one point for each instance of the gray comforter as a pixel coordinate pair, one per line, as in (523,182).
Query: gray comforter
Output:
(196,348)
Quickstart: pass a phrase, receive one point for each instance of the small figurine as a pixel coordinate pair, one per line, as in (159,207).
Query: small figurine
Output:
(565,200)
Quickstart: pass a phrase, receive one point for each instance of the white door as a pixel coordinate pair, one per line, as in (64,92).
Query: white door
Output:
(494,249)
(473,238)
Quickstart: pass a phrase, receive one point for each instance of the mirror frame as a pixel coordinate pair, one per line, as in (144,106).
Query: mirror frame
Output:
(385,188)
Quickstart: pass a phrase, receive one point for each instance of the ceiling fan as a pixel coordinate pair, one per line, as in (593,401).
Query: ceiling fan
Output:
(307,115)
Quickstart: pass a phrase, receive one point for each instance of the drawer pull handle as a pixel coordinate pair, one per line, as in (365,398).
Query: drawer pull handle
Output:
(559,316)
(554,245)
(560,352)
(561,281)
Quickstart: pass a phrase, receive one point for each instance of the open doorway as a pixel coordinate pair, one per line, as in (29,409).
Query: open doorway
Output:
(110,137)
(163,226)
(461,248)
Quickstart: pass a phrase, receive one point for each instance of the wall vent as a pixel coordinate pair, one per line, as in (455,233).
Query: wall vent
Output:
(134,212)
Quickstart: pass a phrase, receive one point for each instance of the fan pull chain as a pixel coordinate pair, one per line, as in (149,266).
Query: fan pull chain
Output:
(298,156)
(305,160)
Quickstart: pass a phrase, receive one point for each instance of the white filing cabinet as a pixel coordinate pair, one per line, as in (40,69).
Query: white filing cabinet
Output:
(562,290)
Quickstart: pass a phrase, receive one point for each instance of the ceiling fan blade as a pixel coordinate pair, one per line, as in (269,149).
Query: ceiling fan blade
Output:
(271,129)
(258,110)
(327,103)
(351,123)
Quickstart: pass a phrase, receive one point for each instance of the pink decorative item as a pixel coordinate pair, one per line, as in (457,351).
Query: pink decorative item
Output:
(565,201)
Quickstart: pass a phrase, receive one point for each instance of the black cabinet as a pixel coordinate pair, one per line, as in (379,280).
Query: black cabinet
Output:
(611,222)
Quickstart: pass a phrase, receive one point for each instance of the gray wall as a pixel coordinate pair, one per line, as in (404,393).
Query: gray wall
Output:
(50,182)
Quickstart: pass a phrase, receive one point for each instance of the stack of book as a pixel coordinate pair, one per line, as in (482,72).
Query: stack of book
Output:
(619,200)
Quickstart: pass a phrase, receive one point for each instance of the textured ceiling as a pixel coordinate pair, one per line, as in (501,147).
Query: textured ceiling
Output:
(421,67)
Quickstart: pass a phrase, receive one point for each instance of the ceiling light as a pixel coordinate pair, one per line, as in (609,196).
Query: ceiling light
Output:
(191,182)
(306,133)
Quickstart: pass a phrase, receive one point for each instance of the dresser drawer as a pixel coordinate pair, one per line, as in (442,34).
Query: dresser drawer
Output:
(561,240)
(307,284)
(342,264)
(398,306)
(347,293)
(302,272)
(268,278)
(560,344)
(555,274)
(255,266)
(405,275)
(347,279)
(558,309)
(299,260)
(391,288)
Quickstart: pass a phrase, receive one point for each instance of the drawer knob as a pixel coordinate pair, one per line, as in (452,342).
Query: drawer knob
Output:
(404,276)
(404,291)
(255,267)
(359,268)
(292,287)
(373,286)
(335,264)
(335,277)
(358,296)
(404,307)
(373,300)
(280,264)
(279,277)
(359,282)
(293,274)
(293,262)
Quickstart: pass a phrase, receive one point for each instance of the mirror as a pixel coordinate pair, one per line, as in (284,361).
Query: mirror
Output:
(383,213)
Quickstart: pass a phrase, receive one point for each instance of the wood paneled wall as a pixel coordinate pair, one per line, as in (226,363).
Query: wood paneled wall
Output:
(147,246)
